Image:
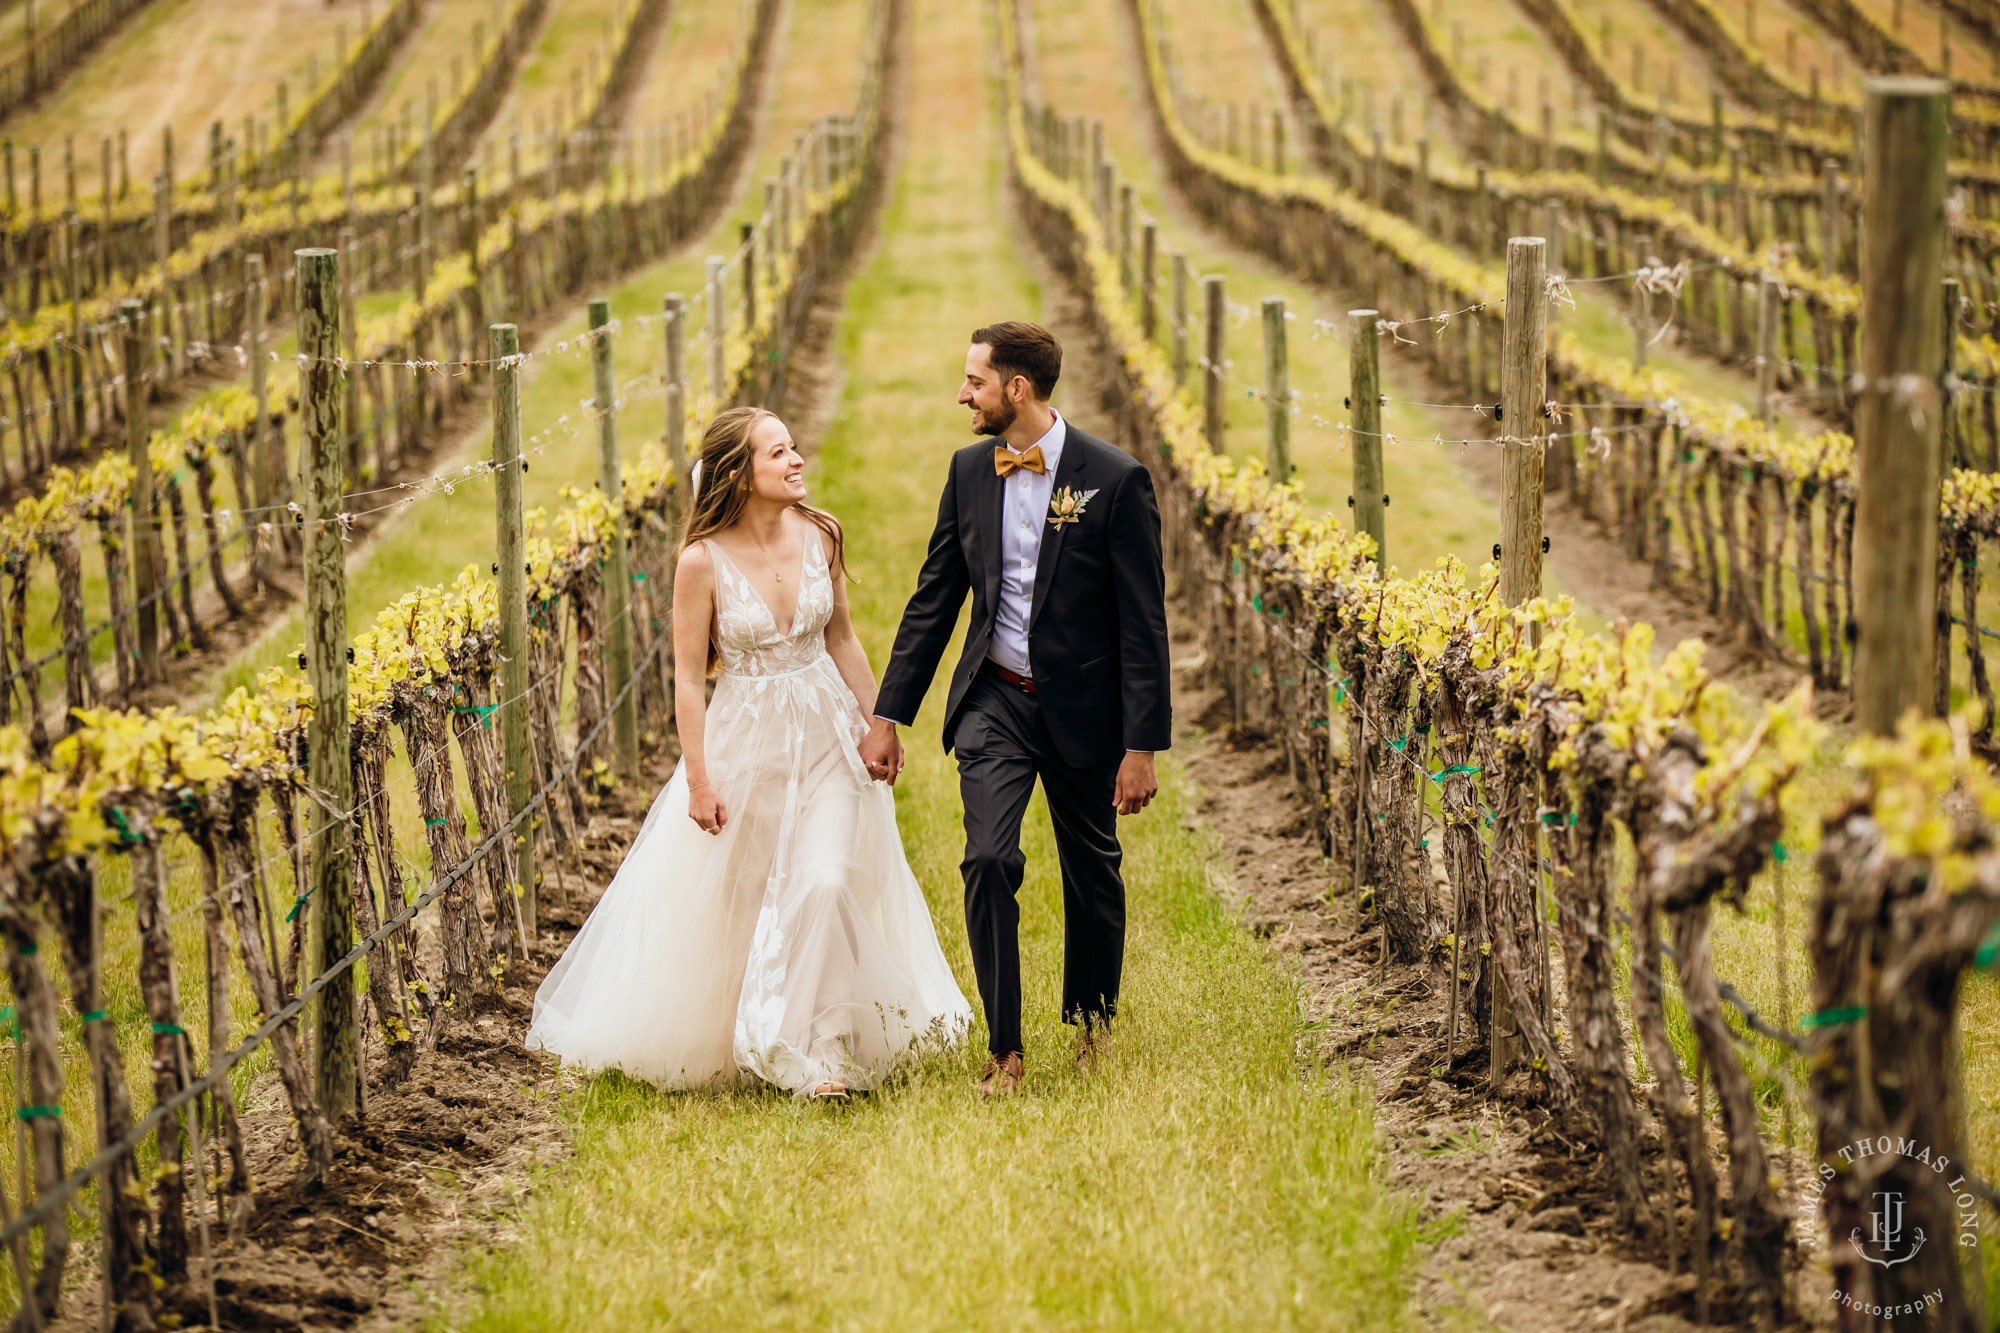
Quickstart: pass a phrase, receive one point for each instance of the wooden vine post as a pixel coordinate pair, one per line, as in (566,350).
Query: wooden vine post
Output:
(1523,401)
(1149,280)
(1181,282)
(146,545)
(1898,412)
(618,600)
(675,307)
(1214,409)
(511,567)
(1364,404)
(266,446)
(1767,346)
(718,331)
(329,770)
(1950,446)
(1277,393)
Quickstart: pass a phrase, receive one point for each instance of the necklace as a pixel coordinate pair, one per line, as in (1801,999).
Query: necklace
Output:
(770,565)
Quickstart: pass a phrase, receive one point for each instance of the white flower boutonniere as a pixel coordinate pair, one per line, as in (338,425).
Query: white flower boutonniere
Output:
(1066,506)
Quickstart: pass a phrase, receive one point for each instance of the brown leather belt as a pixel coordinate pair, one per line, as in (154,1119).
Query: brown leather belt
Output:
(1014,678)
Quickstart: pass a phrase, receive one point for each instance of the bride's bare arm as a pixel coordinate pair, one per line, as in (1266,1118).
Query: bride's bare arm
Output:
(694,612)
(842,644)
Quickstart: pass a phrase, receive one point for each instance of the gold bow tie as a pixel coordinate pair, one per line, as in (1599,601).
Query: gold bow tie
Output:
(1006,462)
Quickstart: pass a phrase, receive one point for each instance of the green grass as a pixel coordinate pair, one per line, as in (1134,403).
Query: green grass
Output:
(1206,1180)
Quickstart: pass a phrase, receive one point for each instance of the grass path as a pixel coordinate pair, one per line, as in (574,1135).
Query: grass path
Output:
(703,32)
(441,46)
(555,74)
(1203,1182)
(181,63)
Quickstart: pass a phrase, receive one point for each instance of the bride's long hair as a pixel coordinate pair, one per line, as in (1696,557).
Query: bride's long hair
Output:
(722,489)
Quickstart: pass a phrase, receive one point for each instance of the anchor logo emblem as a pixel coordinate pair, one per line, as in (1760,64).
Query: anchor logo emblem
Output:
(1886,1236)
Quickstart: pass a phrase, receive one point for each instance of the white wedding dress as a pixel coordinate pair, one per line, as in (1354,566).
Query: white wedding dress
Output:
(796,944)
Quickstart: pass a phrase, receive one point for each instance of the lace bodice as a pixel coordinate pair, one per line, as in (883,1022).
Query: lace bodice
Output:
(748,640)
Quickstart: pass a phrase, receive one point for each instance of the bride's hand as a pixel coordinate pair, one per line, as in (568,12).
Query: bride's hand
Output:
(706,809)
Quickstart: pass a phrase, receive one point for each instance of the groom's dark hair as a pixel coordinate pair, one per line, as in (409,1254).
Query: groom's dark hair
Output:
(1025,349)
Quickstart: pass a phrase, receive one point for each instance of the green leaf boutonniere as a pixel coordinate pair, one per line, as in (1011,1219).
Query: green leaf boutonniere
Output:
(1066,506)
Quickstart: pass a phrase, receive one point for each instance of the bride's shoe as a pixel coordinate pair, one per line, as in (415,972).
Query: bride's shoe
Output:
(829,1092)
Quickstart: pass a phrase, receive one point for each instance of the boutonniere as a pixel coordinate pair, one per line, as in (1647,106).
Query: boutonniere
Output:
(1066,506)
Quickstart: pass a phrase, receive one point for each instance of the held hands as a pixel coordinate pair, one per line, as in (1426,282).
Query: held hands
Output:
(705,808)
(882,752)
(1137,783)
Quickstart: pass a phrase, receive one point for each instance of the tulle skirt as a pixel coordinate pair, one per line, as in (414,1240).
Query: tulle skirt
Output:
(794,946)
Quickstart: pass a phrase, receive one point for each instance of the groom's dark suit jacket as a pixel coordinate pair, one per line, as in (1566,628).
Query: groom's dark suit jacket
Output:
(1097,630)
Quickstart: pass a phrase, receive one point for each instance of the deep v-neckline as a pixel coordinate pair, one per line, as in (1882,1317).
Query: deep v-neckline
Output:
(798,599)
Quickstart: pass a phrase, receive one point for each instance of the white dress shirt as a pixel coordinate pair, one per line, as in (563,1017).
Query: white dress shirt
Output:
(1024,514)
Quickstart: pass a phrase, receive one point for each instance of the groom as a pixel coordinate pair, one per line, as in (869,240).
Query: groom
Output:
(1064,677)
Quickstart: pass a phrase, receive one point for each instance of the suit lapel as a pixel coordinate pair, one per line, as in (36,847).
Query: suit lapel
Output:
(992,519)
(1068,473)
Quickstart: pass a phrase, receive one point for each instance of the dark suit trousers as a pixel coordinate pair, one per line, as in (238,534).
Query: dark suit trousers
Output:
(1003,745)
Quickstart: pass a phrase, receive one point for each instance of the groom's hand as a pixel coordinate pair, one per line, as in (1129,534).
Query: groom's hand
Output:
(881,752)
(1137,783)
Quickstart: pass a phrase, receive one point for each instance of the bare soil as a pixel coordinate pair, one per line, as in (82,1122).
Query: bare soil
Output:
(1521,1216)
(431,1168)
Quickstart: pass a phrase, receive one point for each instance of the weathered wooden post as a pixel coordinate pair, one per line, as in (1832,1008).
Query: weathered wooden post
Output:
(1364,425)
(749,237)
(1214,414)
(1739,200)
(73,358)
(1181,283)
(1950,445)
(617,573)
(675,306)
(1277,393)
(1125,211)
(268,470)
(350,344)
(1898,410)
(146,544)
(1642,309)
(1603,147)
(504,343)
(1767,346)
(329,834)
(1482,214)
(718,335)
(1523,403)
(1829,217)
(1149,280)
(1421,214)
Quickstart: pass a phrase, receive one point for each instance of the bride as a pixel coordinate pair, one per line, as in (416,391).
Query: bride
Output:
(765,920)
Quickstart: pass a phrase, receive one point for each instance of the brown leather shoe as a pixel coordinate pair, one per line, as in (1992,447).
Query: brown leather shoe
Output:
(1001,1076)
(1093,1048)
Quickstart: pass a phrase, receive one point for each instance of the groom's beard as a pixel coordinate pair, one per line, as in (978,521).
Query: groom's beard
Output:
(993,423)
